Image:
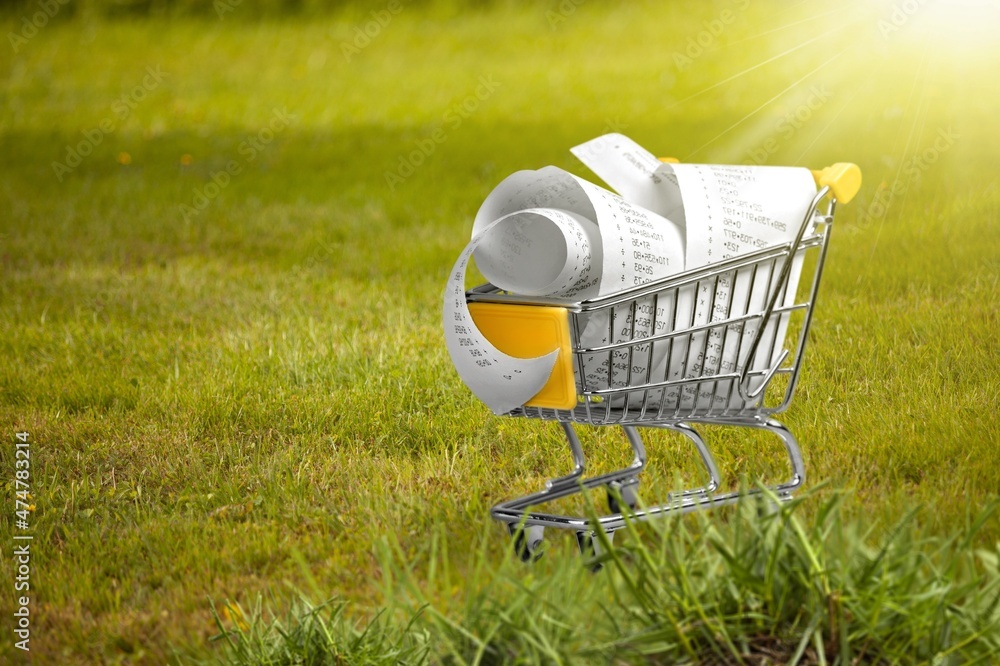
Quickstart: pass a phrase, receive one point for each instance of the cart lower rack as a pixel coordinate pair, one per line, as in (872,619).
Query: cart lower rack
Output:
(706,346)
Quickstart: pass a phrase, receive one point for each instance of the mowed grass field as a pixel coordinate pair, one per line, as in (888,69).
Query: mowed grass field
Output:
(220,318)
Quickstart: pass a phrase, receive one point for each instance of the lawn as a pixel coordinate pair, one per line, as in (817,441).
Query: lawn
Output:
(220,313)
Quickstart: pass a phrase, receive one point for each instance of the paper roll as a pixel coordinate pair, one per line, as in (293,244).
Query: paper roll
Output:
(549,233)
(537,252)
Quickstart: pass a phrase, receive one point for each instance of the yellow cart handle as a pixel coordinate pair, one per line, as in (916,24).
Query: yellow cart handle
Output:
(843,179)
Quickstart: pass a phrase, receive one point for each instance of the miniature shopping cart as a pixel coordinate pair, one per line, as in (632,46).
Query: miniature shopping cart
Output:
(659,356)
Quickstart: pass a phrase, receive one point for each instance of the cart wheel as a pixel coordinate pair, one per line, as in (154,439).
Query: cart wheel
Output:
(590,547)
(527,541)
(627,491)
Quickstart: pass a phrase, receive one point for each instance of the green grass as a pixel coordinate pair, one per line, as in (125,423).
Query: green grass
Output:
(736,587)
(220,404)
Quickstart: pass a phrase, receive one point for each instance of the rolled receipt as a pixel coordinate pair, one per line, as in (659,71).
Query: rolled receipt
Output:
(538,252)
(501,381)
(549,233)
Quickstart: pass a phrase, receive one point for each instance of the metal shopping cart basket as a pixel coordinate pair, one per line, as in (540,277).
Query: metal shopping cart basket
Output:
(660,356)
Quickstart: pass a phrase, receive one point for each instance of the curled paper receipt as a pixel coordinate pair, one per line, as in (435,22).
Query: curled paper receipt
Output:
(725,211)
(503,382)
(549,233)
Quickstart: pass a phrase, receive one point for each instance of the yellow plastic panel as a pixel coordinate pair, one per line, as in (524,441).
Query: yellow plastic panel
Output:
(528,331)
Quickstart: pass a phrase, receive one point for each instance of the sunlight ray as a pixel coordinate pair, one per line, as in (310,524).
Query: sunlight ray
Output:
(869,78)
(921,109)
(757,66)
(765,104)
(798,160)
(845,77)
(783,27)
(791,7)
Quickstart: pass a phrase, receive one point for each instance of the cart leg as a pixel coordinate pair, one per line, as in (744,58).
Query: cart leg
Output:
(514,511)
(785,490)
(517,510)
(624,492)
(714,479)
(707,496)
(579,462)
(638,448)
(782,490)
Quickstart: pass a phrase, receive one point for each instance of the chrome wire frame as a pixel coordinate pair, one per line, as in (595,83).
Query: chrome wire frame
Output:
(736,397)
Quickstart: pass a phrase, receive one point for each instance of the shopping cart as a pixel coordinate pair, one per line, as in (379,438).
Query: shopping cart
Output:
(660,356)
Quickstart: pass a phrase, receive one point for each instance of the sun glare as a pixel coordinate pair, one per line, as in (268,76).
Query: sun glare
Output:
(953,26)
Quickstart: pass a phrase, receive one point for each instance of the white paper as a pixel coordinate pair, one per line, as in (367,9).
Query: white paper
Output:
(549,233)
(501,381)
(539,252)
(628,244)
(635,173)
(739,210)
(726,211)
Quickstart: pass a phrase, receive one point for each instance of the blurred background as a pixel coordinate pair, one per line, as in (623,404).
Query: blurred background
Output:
(225,227)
